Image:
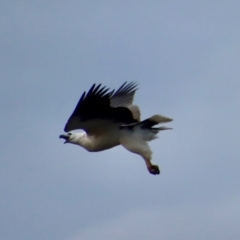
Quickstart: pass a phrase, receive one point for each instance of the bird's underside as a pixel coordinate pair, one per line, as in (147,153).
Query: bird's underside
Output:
(110,119)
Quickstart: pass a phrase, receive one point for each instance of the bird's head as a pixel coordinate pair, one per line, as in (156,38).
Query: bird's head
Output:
(70,137)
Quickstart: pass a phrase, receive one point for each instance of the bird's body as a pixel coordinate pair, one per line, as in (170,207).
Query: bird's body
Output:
(109,119)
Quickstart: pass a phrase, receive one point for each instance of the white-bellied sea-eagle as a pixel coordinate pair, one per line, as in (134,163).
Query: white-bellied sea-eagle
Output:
(109,119)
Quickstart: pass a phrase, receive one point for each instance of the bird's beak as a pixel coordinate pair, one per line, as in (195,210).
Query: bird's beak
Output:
(64,136)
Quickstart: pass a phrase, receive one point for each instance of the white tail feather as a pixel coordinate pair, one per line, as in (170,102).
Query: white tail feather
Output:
(160,119)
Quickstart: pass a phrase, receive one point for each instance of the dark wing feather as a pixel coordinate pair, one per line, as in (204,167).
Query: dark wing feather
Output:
(124,95)
(96,105)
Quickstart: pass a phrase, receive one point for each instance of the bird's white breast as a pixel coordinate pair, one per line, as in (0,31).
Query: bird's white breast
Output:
(100,143)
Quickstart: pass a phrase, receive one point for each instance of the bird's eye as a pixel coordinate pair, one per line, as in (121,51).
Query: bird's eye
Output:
(69,134)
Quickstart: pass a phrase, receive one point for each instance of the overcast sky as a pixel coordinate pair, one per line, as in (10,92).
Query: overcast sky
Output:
(185,55)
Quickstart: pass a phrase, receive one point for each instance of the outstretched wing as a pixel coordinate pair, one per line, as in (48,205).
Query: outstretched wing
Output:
(95,108)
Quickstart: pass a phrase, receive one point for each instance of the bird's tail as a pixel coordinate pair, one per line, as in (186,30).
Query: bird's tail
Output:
(154,120)
(150,131)
(148,124)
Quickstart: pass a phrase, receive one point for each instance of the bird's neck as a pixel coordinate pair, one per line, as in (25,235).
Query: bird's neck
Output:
(84,141)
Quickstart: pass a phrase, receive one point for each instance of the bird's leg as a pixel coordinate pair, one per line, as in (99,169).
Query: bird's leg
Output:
(153,169)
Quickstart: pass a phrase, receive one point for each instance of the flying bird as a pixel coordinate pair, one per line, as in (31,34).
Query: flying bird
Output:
(109,118)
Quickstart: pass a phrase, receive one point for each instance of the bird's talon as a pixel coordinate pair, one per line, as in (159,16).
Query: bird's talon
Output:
(154,169)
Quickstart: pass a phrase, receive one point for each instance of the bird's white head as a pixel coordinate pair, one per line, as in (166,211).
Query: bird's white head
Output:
(73,137)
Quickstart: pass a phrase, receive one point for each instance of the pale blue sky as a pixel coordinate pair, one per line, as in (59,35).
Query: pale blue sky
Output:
(186,58)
